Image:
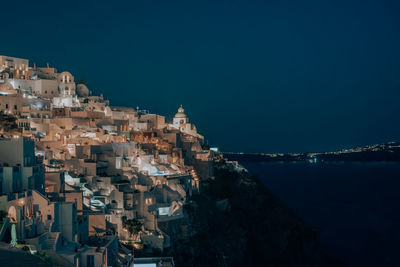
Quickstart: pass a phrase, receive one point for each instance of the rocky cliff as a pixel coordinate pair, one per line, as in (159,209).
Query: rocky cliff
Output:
(237,221)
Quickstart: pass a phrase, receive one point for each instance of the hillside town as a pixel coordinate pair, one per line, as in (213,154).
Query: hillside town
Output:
(85,183)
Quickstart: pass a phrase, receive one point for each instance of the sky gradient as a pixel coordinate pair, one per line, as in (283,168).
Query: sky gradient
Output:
(254,76)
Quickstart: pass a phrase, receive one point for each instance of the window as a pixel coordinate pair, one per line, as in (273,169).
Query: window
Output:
(149,201)
(45,92)
(15,107)
(6,105)
(90,260)
(49,217)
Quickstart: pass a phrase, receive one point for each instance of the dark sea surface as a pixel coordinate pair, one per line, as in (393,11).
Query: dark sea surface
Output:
(354,206)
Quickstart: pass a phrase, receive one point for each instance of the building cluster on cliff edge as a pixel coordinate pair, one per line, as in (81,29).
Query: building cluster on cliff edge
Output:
(87,182)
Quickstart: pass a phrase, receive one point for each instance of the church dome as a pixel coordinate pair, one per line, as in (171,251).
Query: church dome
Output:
(180,113)
(82,90)
(7,89)
(65,77)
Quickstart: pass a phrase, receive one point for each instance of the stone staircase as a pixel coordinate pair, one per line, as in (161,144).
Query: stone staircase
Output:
(180,190)
(51,240)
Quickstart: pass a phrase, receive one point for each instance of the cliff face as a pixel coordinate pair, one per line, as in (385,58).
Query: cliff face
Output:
(237,221)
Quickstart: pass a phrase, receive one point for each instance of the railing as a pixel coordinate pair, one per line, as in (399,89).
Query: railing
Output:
(28,222)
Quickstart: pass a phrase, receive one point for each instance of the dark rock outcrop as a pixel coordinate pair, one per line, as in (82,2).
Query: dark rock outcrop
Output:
(256,230)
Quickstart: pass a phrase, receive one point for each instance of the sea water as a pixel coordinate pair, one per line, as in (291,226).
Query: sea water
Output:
(354,206)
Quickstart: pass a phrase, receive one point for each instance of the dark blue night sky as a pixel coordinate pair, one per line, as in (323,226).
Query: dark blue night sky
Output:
(254,76)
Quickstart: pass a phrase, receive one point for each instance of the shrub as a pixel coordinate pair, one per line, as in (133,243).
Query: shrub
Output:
(132,225)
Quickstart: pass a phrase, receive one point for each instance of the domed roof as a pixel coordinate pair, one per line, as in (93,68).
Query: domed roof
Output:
(65,77)
(180,113)
(82,90)
(6,89)
(65,73)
